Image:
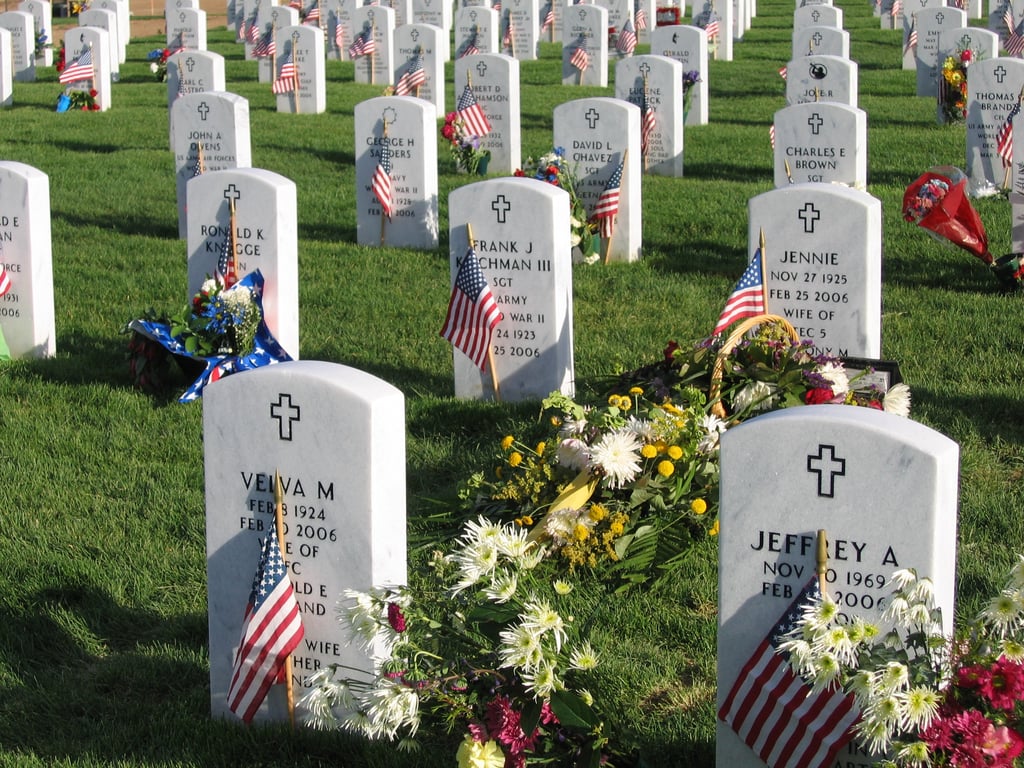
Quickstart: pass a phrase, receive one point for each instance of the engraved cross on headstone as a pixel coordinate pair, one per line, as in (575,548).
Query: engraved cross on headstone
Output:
(415,35)
(809,215)
(645,68)
(285,413)
(815,15)
(203,109)
(481,68)
(835,467)
(1000,73)
(815,122)
(816,39)
(232,193)
(592,116)
(501,206)
(939,17)
(190,64)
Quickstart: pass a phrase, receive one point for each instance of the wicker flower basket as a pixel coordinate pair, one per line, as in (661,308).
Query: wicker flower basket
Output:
(734,338)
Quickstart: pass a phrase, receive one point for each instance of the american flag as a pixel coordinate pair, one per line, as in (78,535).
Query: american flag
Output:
(288,78)
(713,28)
(198,167)
(771,135)
(912,37)
(607,207)
(783,72)
(364,43)
(777,714)
(312,15)
(5,278)
(472,48)
(79,69)
(339,34)
(227,272)
(648,122)
(472,312)
(549,17)
(506,41)
(580,58)
(626,41)
(252,31)
(381,184)
(1004,139)
(266,46)
(413,77)
(897,9)
(296,4)
(471,114)
(1014,43)
(271,630)
(640,18)
(747,298)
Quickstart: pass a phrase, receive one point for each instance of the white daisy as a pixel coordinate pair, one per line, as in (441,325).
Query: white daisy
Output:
(584,657)
(897,400)
(758,395)
(835,374)
(713,428)
(573,453)
(617,456)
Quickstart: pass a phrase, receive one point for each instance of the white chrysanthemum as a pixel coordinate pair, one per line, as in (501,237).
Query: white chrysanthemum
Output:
(904,577)
(893,677)
(922,592)
(474,562)
(862,685)
(896,611)
(392,706)
(897,400)
(758,395)
(520,647)
(886,709)
(874,734)
(409,746)
(503,587)
(801,657)
(921,704)
(480,530)
(560,524)
(573,454)
(540,615)
(573,427)
(583,657)
(643,429)
(513,542)
(919,615)
(836,640)
(1003,611)
(821,612)
(532,558)
(617,456)
(586,696)
(1012,649)
(836,375)
(561,587)
(542,681)
(1017,573)
(359,722)
(364,617)
(914,754)
(826,671)
(713,428)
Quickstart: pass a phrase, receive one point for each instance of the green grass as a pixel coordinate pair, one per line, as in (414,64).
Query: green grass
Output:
(103,611)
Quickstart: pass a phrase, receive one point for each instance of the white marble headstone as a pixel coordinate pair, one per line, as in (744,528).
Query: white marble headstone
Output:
(821,141)
(826,41)
(186,28)
(993,87)
(104,19)
(266,238)
(434,12)
(476,28)
(598,135)
(427,42)
(76,40)
(930,23)
(194,72)
(304,44)
(911,21)
(209,132)
(379,22)
(521,17)
(656,83)
(6,65)
(823,264)
(720,45)
(273,20)
(689,46)
(336,21)
(585,29)
(821,78)
(21,25)
(520,229)
(42,16)
(882,487)
(412,137)
(817,16)
(336,436)
(26,310)
(890,14)
(124,21)
(494,81)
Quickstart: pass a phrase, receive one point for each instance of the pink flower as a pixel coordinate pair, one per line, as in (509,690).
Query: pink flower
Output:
(966,56)
(395,618)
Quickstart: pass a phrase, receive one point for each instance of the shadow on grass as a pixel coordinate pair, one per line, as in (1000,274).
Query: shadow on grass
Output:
(122,223)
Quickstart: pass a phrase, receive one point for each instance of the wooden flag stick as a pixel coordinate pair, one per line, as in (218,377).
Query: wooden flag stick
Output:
(644,154)
(789,172)
(490,349)
(295,63)
(279,523)
(821,566)
(383,213)
(200,161)
(234,236)
(764,275)
(1009,168)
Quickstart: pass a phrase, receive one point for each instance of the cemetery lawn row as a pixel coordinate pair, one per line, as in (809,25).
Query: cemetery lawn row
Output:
(103,615)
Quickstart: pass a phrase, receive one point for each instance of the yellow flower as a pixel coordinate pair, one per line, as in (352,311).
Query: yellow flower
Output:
(556,421)
(524,521)
(675,452)
(476,754)
(614,400)
(714,529)
(661,445)
(648,451)
(669,408)
(698,506)
(597,512)
(515,459)
(540,448)
(636,391)
(666,468)
(625,403)
(580,532)
(507,442)
(616,528)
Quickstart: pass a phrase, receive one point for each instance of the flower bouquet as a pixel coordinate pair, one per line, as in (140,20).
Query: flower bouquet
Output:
(938,202)
(76,99)
(555,169)
(464,146)
(953,86)
(924,699)
(222,331)
(690,79)
(486,647)
(630,484)
(158,62)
